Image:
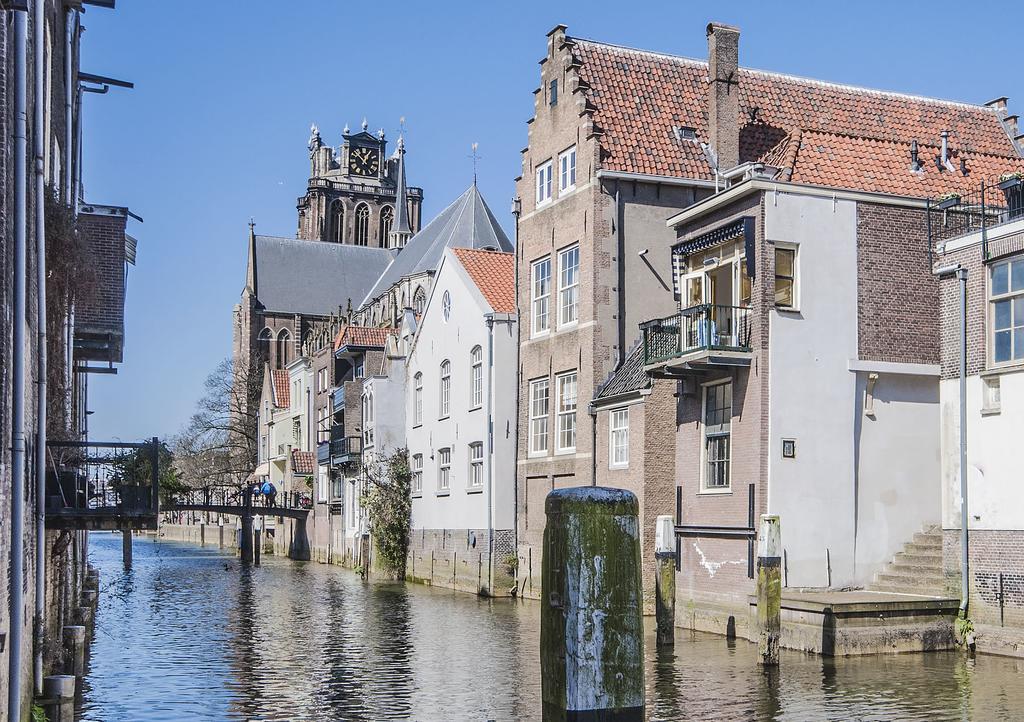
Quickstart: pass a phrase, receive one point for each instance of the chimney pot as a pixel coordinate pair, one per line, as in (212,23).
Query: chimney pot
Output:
(723,94)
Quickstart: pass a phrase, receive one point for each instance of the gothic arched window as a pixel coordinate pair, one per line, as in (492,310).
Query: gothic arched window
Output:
(263,345)
(284,351)
(362,224)
(337,222)
(387,217)
(419,300)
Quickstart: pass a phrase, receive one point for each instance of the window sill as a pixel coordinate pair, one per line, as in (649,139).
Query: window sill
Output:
(416,426)
(566,190)
(475,490)
(714,492)
(995,411)
(565,452)
(1007,367)
(541,334)
(570,326)
(444,418)
(443,493)
(542,204)
(416,495)
(538,454)
(618,467)
(787,309)
(476,408)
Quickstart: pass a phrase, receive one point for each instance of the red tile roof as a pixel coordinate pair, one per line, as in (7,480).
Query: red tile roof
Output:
(494,274)
(362,336)
(282,389)
(640,99)
(303,462)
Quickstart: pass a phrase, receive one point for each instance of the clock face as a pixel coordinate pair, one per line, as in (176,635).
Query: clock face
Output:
(363,161)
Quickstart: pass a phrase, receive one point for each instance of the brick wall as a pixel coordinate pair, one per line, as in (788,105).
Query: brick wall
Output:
(991,552)
(949,313)
(459,559)
(896,292)
(102,307)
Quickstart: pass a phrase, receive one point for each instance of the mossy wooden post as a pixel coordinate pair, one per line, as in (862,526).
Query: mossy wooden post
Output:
(74,649)
(591,634)
(126,548)
(769,590)
(59,693)
(245,541)
(665,582)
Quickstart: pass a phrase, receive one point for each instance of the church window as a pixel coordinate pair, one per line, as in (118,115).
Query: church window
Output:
(337,222)
(419,301)
(283,348)
(263,344)
(362,224)
(387,217)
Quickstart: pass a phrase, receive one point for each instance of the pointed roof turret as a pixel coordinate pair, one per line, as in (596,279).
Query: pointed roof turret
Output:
(401,231)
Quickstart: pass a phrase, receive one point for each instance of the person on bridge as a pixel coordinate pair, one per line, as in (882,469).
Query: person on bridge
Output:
(269,492)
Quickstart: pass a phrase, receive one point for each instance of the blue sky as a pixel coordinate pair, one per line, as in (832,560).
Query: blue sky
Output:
(215,130)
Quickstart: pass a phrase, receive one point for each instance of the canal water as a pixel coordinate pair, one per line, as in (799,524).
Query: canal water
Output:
(189,634)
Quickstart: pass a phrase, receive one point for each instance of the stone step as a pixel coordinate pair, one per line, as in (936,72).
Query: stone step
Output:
(911,567)
(904,589)
(915,547)
(921,558)
(928,580)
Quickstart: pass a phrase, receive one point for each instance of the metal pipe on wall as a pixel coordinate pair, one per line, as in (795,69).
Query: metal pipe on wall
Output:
(17,578)
(69,29)
(490,453)
(39,144)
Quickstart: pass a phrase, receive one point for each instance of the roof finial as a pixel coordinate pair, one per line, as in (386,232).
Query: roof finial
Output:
(475,158)
(252,226)
(365,124)
(345,130)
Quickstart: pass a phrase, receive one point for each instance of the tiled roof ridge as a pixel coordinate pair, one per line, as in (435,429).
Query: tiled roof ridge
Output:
(788,76)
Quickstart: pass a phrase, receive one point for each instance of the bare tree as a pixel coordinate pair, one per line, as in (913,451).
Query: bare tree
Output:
(218,446)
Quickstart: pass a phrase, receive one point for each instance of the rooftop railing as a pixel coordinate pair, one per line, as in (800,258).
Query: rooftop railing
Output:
(960,213)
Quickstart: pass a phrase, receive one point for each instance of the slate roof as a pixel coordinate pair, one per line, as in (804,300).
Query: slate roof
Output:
(303,462)
(314,277)
(494,274)
(362,336)
(639,100)
(282,388)
(466,223)
(628,377)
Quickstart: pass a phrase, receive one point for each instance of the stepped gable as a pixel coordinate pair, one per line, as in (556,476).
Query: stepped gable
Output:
(466,223)
(314,278)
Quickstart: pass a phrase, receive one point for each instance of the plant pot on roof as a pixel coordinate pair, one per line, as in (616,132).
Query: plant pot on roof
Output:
(1009,181)
(948,201)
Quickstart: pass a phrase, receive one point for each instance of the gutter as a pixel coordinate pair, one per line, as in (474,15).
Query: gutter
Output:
(603,174)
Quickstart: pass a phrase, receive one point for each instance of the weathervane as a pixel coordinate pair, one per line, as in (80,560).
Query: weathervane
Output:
(475,158)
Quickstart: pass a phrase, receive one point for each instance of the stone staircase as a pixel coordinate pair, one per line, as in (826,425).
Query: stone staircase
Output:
(917,569)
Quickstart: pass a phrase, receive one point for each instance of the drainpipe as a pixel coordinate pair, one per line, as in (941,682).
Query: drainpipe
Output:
(489,318)
(39,144)
(17,600)
(69,27)
(517,210)
(961,276)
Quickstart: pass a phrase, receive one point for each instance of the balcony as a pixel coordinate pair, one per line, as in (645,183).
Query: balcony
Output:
(698,337)
(992,213)
(345,449)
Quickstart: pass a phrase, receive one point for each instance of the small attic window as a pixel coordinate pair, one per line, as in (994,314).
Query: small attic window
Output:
(682,132)
(553,93)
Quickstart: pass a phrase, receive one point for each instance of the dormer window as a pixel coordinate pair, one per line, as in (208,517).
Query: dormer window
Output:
(553,93)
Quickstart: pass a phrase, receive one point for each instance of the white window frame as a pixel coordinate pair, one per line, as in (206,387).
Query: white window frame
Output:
(321,485)
(1016,323)
(539,422)
(795,248)
(704,436)
(417,399)
(568,289)
(540,300)
(566,409)
(444,470)
(368,420)
(444,402)
(476,378)
(544,182)
(416,466)
(618,424)
(567,170)
(476,466)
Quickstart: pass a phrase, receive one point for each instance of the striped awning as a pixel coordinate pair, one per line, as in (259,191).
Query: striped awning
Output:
(730,231)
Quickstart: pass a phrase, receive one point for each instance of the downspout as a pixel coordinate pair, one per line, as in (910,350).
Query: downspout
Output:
(489,318)
(517,210)
(76,197)
(69,25)
(17,579)
(39,142)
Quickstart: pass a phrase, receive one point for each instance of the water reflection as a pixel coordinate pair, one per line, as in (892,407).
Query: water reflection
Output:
(191,634)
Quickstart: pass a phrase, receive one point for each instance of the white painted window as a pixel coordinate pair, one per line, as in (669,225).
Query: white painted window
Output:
(368,422)
(785,277)
(567,170)
(444,406)
(540,290)
(359,369)
(540,391)
(476,465)
(417,399)
(417,474)
(1006,296)
(446,306)
(321,485)
(991,401)
(352,503)
(476,359)
(544,182)
(568,285)
(618,438)
(566,385)
(717,437)
(444,469)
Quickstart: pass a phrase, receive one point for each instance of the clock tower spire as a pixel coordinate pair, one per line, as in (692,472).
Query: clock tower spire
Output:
(401,231)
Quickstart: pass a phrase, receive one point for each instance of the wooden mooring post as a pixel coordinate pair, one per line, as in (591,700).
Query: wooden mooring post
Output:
(246,545)
(126,548)
(665,581)
(769,591)
(591,640)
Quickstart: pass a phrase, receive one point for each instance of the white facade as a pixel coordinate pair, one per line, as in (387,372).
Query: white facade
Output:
(864,476)
(467,479)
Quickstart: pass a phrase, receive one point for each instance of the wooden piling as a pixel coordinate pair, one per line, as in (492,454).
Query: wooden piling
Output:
(59,693)
(126,548)
(74,649)
(591,645)
(769,590)
(665,581)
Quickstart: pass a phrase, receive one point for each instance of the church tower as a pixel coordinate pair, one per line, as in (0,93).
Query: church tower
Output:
(358,195)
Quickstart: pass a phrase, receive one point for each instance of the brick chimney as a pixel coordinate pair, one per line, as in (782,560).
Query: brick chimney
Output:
(723,94)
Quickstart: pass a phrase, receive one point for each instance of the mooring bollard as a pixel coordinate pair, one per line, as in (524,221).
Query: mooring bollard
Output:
(74,649)
(59,691)
(84,617)
(665,581)
(126,547)
(591,638)
(769,590)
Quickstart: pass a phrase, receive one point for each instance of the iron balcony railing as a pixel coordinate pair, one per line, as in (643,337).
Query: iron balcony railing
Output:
(991,203)
(346,446)
(707,327)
